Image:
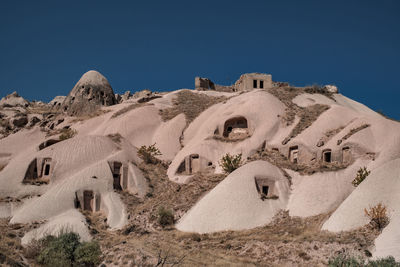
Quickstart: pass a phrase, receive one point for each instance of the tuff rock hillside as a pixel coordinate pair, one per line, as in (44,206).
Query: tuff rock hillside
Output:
(79,164)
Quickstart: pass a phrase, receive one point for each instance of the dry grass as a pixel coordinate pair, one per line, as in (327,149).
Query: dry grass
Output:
(85,117)
(41,109)
(333,132)
(11,250)
(67,134)
(353,131)
(191,104)
(378,216)
(116,138)
(285,241)
(39,181)
(307,116)
(127,109)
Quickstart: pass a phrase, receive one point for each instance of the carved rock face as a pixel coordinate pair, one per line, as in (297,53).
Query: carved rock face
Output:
(90,93)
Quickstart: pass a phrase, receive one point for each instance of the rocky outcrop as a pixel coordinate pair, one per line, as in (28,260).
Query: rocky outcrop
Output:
(20,121)
(89,94)
(57,101)
(145,96)
(127,95)
(13,100)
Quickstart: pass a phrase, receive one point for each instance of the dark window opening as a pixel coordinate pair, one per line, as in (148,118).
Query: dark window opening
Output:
(261,84)
(210,163)
(196,156)
(117,182)
(47,169)
(77,203)
(87,200)
(254,83)
(182,167)
(265,189)
(327,156)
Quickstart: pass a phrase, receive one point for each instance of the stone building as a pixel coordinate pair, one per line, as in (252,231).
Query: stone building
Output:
(250,81)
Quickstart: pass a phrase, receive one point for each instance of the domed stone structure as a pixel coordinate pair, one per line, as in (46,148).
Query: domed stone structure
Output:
(90,93)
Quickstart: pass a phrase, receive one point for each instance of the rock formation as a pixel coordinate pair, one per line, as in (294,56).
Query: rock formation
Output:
(57,101)
(13,100)
(89,94)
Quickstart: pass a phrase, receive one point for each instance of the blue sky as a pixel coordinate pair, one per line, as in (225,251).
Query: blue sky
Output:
(45,46)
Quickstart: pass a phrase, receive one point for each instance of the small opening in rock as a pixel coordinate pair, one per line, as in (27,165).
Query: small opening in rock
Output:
(265,190)
(47,169)
(327,156)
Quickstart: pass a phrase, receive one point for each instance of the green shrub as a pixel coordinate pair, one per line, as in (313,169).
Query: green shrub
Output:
(87,254)
(59,251)
(66,250)
(384,262)
(149,153)
(66,134)
(362,173)
(229,163)
(348,261)
(345,261)
(165,217)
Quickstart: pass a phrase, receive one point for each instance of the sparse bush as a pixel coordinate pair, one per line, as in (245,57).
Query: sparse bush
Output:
(165,217)
(229,163)
(362,173)
(378,216)
(67,133)
(149,153)
(87,254)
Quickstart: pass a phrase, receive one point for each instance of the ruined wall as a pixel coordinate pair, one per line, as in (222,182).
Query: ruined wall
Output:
(204,84)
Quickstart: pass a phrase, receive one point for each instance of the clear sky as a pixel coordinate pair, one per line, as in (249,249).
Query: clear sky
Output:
(45,46)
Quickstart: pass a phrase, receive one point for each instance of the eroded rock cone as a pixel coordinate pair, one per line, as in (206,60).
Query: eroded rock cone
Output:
(89,94)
